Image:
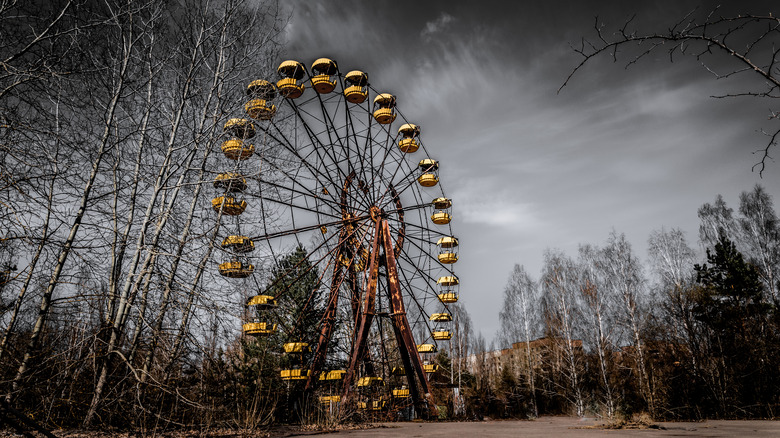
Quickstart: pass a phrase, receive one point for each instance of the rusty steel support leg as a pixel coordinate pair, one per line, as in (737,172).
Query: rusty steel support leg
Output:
(406,358)
(354,296)
(365,317)
(406,344)
(328,321)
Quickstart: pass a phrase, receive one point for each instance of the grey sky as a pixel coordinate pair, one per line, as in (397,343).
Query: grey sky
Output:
(527,168)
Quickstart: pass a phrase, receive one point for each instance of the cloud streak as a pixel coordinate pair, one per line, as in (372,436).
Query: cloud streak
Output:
(437,25)
(529,168)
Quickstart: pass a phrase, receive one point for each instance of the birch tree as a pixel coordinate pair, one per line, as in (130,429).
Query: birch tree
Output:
(519,320)
(673,260)
(760,233)
(624,279)
(562,314)
(102,173)
(598,315)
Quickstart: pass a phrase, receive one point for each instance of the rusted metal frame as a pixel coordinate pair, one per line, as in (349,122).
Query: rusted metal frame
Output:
(388,146)
(313,136)
(290,204)
(289,176)
(390,184)
(429,229)
(331,127)
(308,193)
(353,134)
(270,236)
(345,236)
(402,224)
(355,295)
(444,266)
(400,323)
(366,316)
(291,149)
(328,320)
(354,291)
(429,288)
(406,359)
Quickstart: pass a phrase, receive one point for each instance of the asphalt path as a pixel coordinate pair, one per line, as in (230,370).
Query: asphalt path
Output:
(569,427)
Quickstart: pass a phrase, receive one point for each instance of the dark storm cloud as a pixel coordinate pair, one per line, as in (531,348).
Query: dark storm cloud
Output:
(528,168)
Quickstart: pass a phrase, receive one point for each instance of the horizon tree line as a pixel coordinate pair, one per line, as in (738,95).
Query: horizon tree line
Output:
(682,336)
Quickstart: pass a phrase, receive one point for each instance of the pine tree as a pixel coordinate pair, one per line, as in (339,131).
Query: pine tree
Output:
(729,305)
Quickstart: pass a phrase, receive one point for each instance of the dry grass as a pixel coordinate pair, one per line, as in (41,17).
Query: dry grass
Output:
(637,421)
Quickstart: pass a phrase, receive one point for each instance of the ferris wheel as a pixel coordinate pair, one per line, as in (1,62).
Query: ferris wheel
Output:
(325,164)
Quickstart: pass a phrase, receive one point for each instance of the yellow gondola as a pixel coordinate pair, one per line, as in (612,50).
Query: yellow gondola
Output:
(357,91)
(441,317)
(441,211)
(241,128)
(239,244)
(426,348)
(230,182)
(324,79)
(448,297)
(449,285)
(430,368)
(259,328)
(401,393)
(442,335)
(409,144)
(262,301)
(429,172)
(384,112)
(328,399)
(296,374)
(260,109)
(236,269)
(370,381)
(229,205)
(375,405)
(291,73)
(448,253)
(236,149)
(296,347)
(333,375)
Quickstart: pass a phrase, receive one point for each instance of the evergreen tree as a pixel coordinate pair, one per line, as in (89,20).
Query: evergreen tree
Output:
(729,305)
(300,305)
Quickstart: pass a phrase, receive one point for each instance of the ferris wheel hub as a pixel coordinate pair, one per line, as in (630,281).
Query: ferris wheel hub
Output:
(376,213)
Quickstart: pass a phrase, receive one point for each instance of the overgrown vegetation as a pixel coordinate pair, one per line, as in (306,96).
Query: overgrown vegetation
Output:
(113,315)
(602,334)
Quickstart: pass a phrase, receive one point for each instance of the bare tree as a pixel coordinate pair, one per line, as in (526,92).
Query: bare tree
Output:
(599,316)
(562,314)
(717,219)
(519,320)
(673,260)
(120,68)
(102,171)
(761,236)
(624,280)
(749,39)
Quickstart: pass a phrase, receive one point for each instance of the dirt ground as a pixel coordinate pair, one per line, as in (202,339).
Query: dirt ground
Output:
(568,427)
